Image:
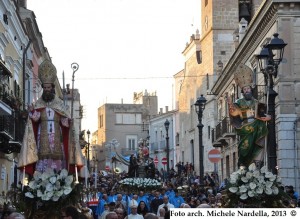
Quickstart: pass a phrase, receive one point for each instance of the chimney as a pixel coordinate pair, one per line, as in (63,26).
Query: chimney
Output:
(167,109)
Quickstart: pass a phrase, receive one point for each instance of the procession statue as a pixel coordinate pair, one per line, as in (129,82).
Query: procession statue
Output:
(49,138)
(249,117)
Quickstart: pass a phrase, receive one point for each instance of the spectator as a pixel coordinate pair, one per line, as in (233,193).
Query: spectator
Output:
(151,216)
(166,204)
(142,208)
(111,215)
(120,212)
(156,202)
(70,212)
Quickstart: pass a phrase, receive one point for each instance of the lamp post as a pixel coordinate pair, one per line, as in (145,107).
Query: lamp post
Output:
(269,59)
(88,150)
(199,108)
(75,67)
(167,124)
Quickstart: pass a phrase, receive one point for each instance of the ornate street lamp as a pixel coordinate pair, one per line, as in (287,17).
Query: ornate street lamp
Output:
(75,67)
(199,108)
(167,124)
(269,59)
(88,150)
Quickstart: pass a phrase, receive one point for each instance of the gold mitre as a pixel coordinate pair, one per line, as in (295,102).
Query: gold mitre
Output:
(243,76)
(47,72)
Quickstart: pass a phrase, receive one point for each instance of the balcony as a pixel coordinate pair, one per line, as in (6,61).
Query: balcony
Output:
(222,132)
(11,133)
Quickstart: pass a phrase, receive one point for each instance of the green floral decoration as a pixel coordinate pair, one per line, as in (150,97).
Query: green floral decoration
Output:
(254,187)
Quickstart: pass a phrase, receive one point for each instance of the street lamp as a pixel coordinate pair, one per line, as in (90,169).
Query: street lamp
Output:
(199,108)
(75,67)
(269,59)
(88,149)
(167,124)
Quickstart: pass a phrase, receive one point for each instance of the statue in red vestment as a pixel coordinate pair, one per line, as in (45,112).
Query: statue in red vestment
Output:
(49,135)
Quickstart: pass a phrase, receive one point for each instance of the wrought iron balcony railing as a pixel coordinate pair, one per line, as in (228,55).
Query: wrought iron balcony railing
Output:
(11,132)
(221,132)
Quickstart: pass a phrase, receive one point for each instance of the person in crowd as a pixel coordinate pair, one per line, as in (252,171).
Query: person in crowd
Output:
(156,201)
(133,209)
(177,200)
(142,208)
(102,205)
(120,203)
(162,212)
(70,212)
(48,140)
(111,215)
(166,204)
(151,216)
(121,213)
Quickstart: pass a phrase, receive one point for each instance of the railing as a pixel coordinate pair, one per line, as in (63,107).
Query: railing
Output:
(11,132)
(222,130)
(7,126)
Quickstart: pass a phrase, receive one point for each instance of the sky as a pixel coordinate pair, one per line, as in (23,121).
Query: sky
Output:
(121,46)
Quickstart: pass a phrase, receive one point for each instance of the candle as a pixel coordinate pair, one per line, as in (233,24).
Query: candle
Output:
(4,178)
(76,175)
(96,176)
(23,178)
(11,178)
(85,174)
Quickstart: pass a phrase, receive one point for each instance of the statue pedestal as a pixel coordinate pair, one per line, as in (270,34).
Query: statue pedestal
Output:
(141,171)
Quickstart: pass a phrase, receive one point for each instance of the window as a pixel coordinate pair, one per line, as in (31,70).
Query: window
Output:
(128,118)
(208,131)
(131,141)
(206,2)
(101,121)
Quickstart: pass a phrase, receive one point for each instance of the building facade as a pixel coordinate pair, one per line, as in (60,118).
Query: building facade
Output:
(121,127)
(270,17)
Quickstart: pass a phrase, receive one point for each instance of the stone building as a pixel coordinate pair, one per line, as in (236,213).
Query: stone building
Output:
(274,16)
(122,127)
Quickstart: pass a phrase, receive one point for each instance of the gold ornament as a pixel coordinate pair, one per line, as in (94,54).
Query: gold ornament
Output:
(47,72)
(243,76)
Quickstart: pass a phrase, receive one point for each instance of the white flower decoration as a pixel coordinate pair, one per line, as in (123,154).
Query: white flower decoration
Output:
(52,179)
(29,195)
(244,196)
(252,167)
(243,188)
(252,185)
(251,193)
(233,189)
(48,185)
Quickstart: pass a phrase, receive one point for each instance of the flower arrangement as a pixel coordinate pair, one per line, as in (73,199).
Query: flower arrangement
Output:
(50,185)
(140,183)
(46,193)
(254,187)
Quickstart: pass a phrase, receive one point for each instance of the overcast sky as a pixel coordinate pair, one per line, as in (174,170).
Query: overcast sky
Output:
(121,46)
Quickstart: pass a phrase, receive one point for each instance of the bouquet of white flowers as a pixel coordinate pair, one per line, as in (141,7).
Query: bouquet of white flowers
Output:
(135,184)
(50,185)
(48,192)
(254,187)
